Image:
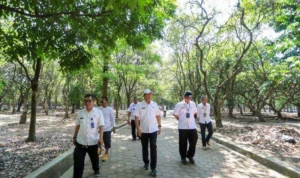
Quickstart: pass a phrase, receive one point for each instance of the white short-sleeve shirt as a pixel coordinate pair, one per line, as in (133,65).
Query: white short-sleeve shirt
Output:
(88,132)
(109,118)
(201,109)
(147,114)
(165,108)
(131,109)
(181,109)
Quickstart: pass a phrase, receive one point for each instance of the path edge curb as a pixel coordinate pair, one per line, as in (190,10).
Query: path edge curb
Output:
(59,165)
(270,162)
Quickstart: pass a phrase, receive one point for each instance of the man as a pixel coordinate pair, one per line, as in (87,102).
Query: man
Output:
(165,110)
(89,122)
(203,115)
(148,113)
(131,119)
(109,120)
(184,112)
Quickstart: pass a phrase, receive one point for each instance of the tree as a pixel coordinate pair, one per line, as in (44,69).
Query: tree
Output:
(28,33)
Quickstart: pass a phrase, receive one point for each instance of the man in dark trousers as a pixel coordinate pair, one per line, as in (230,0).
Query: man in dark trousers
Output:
(184,112)
(131,119)
(148,113)
(86,138)
(203,115)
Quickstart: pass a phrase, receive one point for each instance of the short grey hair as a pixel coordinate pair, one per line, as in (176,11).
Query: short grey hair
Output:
(203,97)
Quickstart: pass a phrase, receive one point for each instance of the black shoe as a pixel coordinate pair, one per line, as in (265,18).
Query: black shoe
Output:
(191,160)
(183,161)
(134,139)
(96,173)
(153,172)
(146,166)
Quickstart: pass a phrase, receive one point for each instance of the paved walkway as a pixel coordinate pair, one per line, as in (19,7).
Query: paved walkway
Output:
(126,159)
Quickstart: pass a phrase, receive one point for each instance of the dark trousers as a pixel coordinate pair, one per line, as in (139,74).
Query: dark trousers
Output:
(165,113)
(185,136)
(107,139)
(210,132)
(133,130)
(145,139)
(79,157)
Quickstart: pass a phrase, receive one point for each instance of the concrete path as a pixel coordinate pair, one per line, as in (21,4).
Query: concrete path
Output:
(218,161)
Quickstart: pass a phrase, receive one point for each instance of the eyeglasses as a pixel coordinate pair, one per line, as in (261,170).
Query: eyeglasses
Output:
(88,101)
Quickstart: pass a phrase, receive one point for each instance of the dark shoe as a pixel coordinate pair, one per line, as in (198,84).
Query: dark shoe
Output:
(146,166)
(134,139)
(153,172)
(183,161)
(96,174)
(192,161)
(207,143)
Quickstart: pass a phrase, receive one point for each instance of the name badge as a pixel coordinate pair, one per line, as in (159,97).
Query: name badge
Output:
(143,108)
(204,114)
(81,118)
(188,115)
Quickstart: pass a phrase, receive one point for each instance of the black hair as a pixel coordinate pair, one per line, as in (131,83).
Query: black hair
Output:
(89,95)
(105,97)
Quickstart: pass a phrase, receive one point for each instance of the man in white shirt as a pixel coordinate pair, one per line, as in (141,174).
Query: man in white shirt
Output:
(165,110)
(109,120)
(203,115)
(131,119)
(148,113)
(89,122)
(184,112)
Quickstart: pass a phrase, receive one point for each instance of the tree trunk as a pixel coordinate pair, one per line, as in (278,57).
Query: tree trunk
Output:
(73,109)
(298,110)
(258,114)
(105,79)
(46,108)
(230,112)
(66,110)
(20,102)
(241,109)
(23,117)
(55,107)
(218,114)
(34,90)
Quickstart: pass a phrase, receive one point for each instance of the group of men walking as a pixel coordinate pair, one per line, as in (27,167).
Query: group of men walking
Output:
(145,121)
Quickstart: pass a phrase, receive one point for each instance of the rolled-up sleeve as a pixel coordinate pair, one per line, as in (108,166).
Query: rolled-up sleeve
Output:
(198,111)
(101,119)
(157,111)
(78,119)
(137,110)
(112,118)
(176,110)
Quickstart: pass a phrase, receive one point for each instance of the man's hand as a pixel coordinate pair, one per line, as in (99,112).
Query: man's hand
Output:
(100,141)
(176,117)
(159,130)
(114,130)
(74,141)
(128,122)
(139,132)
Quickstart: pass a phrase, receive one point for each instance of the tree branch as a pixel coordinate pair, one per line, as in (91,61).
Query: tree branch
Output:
(43,16)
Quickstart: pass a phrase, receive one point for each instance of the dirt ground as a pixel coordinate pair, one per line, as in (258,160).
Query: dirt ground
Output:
(267,137)
(54,137)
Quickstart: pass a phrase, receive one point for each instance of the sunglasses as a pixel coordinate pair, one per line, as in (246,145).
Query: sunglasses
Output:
(88,101)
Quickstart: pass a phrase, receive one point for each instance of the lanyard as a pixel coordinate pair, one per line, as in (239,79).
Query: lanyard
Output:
(188,110)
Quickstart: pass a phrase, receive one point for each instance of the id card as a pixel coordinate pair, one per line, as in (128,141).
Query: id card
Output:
(187,115)
(204,114)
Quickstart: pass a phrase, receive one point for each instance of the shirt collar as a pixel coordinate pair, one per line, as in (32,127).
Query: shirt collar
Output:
(90,111)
